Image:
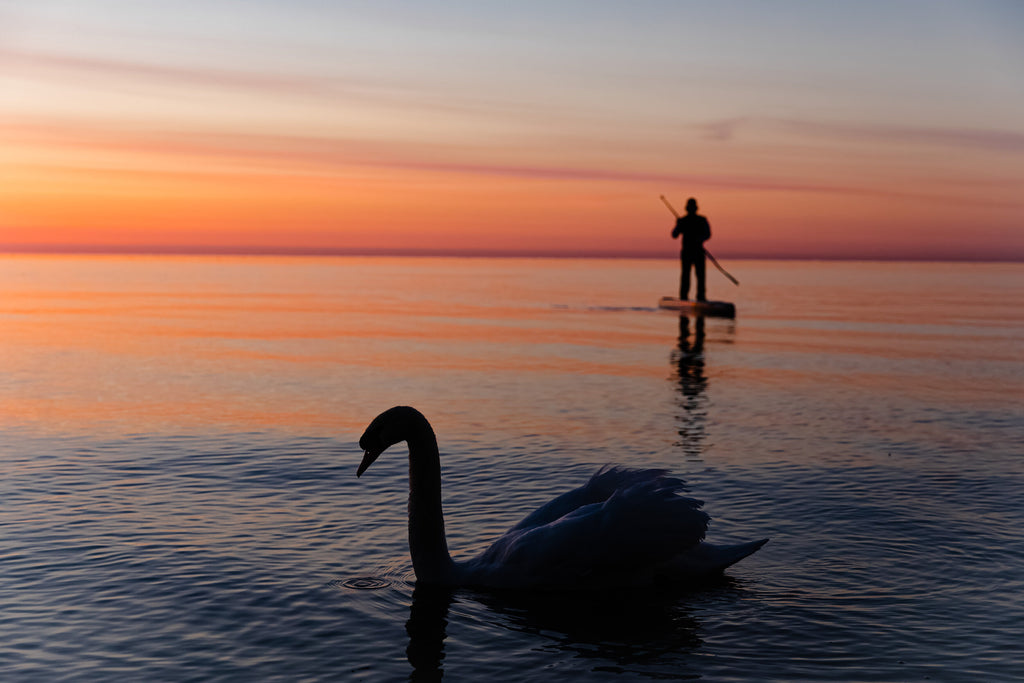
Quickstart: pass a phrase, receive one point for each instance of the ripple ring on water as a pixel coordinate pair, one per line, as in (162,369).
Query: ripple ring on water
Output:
(365,583)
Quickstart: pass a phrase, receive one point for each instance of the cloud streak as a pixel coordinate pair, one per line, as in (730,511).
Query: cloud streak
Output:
(161,151)
(729,130)
(34,63)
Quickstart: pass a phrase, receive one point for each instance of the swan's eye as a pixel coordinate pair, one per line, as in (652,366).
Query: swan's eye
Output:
(366,441)
(374,441)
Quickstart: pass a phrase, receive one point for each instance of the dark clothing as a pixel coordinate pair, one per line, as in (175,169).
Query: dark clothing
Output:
(699,264)
(695,231)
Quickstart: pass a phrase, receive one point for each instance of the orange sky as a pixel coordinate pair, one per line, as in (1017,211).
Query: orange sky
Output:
(823,134)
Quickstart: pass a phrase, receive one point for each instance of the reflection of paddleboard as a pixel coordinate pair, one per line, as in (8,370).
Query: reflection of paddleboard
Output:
(721,308)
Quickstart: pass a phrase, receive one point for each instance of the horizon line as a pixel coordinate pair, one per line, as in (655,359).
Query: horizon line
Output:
(235,250)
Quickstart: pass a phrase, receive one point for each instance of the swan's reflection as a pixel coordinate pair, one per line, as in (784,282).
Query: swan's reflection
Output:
(427,629)
(622,628)
(638,631)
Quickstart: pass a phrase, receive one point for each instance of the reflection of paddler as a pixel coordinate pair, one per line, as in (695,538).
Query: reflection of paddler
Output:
(695,230)
(690,360)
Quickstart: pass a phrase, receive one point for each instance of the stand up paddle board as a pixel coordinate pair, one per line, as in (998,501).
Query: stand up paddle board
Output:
(715,308)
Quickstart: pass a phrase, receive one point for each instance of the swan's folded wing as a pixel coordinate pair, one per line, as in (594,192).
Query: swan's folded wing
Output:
(602,543)
(601,486)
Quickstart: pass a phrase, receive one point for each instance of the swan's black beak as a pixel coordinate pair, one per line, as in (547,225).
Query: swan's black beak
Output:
(368,458)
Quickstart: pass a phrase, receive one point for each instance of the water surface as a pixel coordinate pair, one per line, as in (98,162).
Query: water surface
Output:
(178,448)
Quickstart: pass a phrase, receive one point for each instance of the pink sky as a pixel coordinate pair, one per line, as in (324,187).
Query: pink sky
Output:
(869,130)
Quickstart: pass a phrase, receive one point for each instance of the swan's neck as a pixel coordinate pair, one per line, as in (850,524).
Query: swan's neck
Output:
(427,544)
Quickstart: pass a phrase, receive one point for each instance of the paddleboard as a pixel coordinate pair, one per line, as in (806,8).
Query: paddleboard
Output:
(717,308)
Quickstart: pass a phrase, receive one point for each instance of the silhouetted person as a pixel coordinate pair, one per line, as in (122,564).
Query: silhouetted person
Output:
(695,231)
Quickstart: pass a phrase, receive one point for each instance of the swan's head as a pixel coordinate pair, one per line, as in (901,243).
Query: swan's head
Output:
(387,429)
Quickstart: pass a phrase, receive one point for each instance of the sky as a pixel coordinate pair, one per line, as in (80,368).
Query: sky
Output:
(805,129)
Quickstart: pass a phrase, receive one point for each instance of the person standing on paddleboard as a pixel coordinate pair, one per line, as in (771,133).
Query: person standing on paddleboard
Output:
(695,230)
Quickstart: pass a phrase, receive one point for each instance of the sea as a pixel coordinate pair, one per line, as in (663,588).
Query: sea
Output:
(178,453)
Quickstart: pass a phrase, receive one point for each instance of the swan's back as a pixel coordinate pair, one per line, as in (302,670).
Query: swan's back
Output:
(623,527)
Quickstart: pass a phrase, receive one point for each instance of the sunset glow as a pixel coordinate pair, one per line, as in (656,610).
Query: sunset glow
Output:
(867,130)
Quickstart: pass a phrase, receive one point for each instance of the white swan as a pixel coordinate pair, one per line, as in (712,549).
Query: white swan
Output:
(622,528)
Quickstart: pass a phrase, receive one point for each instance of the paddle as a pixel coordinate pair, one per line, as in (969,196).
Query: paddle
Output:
(706,252)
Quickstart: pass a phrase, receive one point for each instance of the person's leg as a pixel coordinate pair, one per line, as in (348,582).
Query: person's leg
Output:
(700,264)
(684,280)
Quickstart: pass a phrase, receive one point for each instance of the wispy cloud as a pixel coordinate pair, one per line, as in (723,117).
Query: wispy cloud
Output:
(989,140)
(64,65)
(159,151)
(727,130)
(724,130)
(402,102)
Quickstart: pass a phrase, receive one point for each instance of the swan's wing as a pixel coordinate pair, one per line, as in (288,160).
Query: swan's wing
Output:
(601,486)
(637,526)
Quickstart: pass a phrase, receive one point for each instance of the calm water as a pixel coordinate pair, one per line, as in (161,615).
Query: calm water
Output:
(178,449)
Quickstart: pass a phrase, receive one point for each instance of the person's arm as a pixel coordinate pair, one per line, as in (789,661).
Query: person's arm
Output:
(678,230)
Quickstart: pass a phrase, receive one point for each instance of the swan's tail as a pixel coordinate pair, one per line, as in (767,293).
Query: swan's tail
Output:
(706,558)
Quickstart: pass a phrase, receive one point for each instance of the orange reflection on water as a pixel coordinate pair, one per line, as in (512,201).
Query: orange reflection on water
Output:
(261,342)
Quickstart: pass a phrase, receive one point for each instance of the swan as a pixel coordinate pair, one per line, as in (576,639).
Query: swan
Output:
(623,528)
